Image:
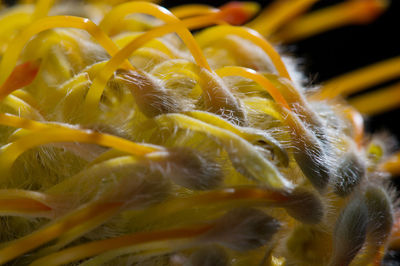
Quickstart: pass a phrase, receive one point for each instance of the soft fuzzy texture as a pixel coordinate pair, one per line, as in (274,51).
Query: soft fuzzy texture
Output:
(177,163)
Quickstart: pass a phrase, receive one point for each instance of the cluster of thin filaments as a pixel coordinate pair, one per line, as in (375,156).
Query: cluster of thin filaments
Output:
(135,140)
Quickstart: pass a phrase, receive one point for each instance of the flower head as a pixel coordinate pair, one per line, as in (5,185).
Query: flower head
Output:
(128,137)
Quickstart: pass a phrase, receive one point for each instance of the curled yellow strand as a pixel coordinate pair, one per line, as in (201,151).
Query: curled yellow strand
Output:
(121,11)
(14,49)
(27,97)
(49,133)
(214,33)
(9,153)
(219,122)
(96,89)
(151,9)
(233,13)
(180,27)
(253,75)
(20,122)
(114,16)
(265,106)
(21,107)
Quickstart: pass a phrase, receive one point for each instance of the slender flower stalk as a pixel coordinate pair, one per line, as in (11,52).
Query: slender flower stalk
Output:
(278,14)
(360,79)
(378,102)
(24,203)
(348,12)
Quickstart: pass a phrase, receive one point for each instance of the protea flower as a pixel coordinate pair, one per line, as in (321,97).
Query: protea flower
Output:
(127,139)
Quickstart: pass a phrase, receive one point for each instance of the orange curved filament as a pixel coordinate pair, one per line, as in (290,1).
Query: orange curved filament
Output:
(253,75)
(360,79)
(14,49)
(22,202)
(21,76)
(237,13)
(279,13)
(190,10)
(378,101)
(350,12)
(22,206)
(249,34)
